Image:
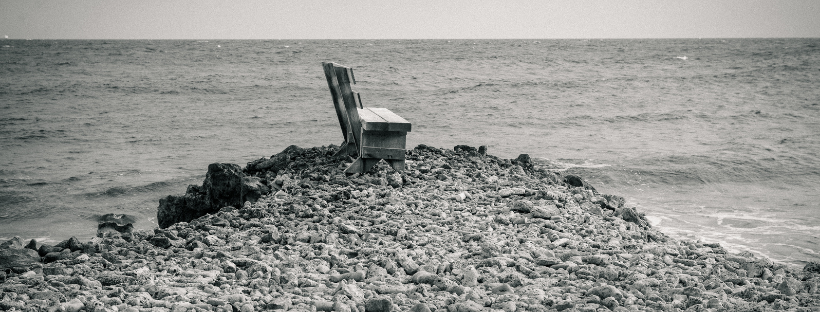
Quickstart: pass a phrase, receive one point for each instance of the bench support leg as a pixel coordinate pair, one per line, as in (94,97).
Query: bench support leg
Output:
(346,149)
(396,164)
(361,165)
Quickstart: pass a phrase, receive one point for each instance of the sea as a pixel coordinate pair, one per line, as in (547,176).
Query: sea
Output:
(716,140)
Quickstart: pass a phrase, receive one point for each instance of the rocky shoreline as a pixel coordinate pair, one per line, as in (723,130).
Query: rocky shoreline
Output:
(458,230)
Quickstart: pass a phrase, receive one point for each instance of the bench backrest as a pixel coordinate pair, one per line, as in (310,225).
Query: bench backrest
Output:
(346,102)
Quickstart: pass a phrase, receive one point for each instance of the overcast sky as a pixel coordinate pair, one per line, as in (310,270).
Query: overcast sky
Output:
(409,19)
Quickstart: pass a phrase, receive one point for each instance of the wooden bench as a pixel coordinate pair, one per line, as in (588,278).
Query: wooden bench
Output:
(370,134)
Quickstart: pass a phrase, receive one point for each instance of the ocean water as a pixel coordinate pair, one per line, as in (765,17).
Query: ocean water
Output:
(716,140)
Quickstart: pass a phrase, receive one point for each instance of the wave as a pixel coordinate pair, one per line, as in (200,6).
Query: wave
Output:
(118,191)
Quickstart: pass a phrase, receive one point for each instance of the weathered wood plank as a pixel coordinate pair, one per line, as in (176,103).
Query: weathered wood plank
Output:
(382,152)
(335,93)
(389,139)
(344,75)
(393,122)
(367,116)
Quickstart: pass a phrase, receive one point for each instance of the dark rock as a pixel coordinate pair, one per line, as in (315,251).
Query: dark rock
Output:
(630,215)
(378,305)
(17,258)
(276,162)
(522,206)
(576,181)
(465,149)
(812,267)
(57,255)
(109,279)
(32,244)
(482,150)
(161,241)
(614,201)
(222,185)
(74,244)
(185,208)
(524,161)
(46,249)
(252,189)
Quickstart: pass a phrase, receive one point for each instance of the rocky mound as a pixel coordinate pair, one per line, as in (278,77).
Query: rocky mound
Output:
(457,231)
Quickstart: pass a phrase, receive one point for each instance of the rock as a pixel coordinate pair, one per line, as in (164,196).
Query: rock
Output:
(465,149)
(32,244)
(276,162)
(284,303)
(470,278)
(524,161)
(511,191)
(790,287)
(545,212)
(74,305)
(605,292)
(356,276)
(812,267)
(351,291)
(161,241)
(18,258)
(424,277)
(420,307)
(466,306)
(548,261)
(252,189)
(192,205)
(630,215)
(222,185)
(383,304)
(564,305)
(502,288)
(410,267)
(576,181)
(522,206)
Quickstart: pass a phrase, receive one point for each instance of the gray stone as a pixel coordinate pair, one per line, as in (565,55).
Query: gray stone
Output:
(522,206)
(252,189)
(605,292)
(18,258)
(383,304)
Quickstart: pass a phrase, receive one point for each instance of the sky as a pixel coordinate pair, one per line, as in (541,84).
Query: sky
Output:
(408,19)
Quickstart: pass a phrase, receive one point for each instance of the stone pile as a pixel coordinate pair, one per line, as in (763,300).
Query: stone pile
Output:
(456,231)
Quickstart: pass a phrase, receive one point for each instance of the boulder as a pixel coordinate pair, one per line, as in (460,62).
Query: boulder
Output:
(222,185)
(631,215)
(524,161)
(192,205)
(576,181)
(17,258)
(812,267)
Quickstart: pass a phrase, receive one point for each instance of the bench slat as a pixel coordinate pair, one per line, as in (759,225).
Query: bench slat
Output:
(382,119)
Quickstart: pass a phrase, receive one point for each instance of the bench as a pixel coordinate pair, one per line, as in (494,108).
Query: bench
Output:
(370,134)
